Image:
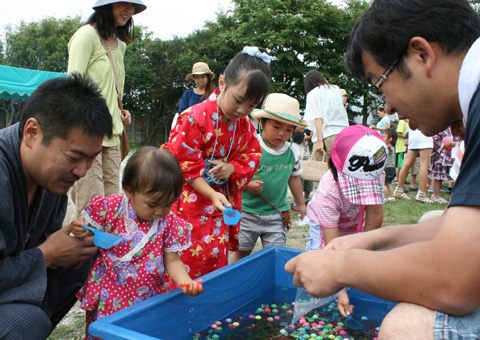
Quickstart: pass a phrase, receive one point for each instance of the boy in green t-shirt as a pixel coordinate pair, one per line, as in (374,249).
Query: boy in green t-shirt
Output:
(264,204)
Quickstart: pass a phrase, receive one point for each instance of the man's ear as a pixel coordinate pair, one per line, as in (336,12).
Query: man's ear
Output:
(221,83)
(423,52)
(31,132)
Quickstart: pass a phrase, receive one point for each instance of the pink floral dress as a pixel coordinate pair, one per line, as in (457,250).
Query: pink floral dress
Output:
(202,134)
(133,270)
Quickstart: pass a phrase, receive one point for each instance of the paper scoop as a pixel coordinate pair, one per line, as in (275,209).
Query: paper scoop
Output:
(103,239)
(231,216)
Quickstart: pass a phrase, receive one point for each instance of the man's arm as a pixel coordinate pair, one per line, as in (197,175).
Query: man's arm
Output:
(440,273)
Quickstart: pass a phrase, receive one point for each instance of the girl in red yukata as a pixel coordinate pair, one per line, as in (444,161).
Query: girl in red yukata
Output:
(216,145)
(134,270)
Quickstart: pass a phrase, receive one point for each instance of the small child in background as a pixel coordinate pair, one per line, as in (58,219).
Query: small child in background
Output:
(301,142)
(264,203)
(400,147)
(134,270)
(349,198)
(390,137)
(441,162)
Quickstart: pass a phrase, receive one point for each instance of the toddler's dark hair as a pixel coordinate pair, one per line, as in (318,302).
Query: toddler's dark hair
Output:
(151,170)
(254,71)
(391,133)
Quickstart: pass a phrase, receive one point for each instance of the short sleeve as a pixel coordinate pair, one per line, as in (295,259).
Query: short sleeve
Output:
(324,207)
(178,232)
(101,211)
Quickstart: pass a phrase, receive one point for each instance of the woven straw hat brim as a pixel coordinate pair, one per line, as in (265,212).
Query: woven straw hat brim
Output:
(284,118)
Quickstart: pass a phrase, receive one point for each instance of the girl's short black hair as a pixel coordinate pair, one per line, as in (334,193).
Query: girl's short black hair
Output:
(151,170)
(254,70)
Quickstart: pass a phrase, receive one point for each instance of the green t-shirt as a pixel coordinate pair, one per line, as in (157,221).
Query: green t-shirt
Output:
(275,169)
(402,128)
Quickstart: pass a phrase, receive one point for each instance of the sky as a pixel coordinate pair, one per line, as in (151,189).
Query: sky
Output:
(164,18)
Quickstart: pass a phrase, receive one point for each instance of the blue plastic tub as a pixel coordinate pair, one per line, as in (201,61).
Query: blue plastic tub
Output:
(175,316)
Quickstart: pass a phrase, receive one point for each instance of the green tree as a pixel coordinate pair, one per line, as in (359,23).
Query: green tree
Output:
(40,45)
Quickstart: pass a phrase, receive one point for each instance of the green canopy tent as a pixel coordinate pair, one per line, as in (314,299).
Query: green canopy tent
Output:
(19,83)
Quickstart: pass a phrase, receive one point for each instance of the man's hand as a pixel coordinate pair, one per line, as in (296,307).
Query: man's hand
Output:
(62,250)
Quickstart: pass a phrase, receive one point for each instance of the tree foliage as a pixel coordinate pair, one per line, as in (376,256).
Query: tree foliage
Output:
(300,35)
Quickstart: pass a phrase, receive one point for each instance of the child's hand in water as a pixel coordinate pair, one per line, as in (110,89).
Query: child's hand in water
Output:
(192,288)
(77,229)
(344,306)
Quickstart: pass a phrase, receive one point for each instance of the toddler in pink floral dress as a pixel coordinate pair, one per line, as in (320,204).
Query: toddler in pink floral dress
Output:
(135,269)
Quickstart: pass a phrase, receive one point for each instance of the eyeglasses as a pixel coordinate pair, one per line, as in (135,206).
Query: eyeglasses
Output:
(383,78)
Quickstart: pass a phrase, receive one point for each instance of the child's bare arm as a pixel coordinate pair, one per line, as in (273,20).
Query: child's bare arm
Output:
(255,187)
(297,191)
(373,217)
(177,271)
(217,198)
(78,230)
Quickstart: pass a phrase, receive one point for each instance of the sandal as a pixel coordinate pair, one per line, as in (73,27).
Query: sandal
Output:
(400,194)
(422,197)
(440,200)
(389,199)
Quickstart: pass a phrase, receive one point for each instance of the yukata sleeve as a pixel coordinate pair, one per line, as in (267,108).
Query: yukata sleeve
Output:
(437,142)
(96,213)
(247,159)
(178,233)
(187,145)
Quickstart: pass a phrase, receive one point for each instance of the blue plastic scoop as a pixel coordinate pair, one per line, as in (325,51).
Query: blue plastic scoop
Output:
(231,216)
(103,239)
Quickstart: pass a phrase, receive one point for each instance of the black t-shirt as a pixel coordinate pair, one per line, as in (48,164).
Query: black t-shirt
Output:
(466,191)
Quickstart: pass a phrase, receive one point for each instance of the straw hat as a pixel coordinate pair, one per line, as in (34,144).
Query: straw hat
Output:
(281,107)
(139,5)
(200,68)
(344,93)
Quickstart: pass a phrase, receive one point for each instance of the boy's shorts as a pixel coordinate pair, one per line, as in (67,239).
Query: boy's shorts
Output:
(399,159)
(390,174)
(415,167)
(457,327)
(270,229)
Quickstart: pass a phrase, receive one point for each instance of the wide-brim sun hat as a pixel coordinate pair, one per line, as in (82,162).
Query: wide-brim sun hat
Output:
(139,5)
(281,107)
(199,68)
(359,155)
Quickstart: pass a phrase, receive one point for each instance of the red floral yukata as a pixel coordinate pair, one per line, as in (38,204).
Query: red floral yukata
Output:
(192,141)
(133,270)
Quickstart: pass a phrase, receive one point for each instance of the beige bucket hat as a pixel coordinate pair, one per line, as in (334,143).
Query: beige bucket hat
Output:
(200,68)
(281,107)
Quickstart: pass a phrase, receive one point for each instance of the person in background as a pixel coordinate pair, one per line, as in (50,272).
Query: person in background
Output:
(203,78)
(301,142)
(134,270)
(349,199)
(423,56)
(265,208)
(418,144)
(400,147)
(96,50)
(441,162)
(383,123)
(324,107)
(216,145)
(389,136)
(60,132)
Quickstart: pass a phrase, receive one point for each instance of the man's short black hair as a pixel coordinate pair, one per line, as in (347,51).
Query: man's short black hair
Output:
(386,28)
(61,104)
